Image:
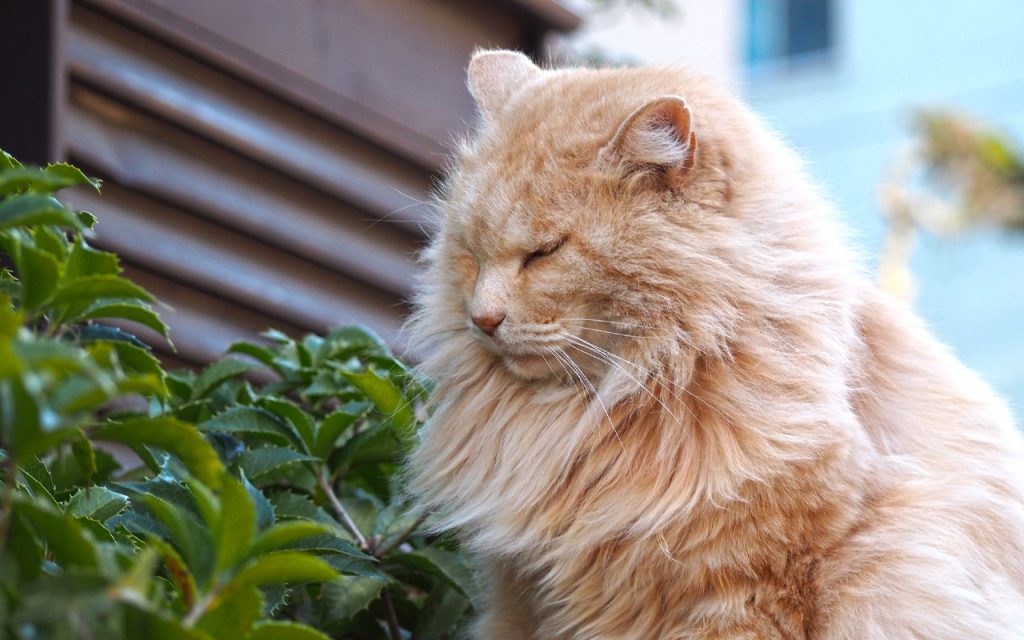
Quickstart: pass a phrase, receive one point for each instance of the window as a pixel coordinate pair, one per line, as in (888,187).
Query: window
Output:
(788,30)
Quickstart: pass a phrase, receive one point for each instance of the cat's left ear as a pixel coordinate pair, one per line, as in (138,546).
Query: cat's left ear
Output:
(658,134)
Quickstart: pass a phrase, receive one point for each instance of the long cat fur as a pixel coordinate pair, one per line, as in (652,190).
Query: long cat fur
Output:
(759,443)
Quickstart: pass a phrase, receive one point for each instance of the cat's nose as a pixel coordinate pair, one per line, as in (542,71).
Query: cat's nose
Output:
(489,323)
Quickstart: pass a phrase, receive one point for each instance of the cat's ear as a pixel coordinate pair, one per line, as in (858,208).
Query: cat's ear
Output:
(658,134)
(493,77)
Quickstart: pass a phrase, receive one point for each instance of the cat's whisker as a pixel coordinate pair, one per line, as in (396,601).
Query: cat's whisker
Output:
(615,322)
(585,380)
(600,354)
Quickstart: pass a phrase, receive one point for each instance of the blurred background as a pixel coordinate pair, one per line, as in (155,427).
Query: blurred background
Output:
(269,162)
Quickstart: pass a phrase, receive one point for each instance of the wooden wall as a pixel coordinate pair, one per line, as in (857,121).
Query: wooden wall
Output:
(266,162)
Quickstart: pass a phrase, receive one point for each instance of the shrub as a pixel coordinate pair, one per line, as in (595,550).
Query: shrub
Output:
(137,503)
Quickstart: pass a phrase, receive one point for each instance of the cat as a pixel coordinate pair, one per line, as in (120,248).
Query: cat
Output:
(668,403)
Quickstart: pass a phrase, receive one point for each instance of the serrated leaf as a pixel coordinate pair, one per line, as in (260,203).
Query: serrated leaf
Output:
(295,416)
(177,571)
(259,462)
(285,533)
(218,373)
(64,536)
(441,614)
(285,631)
(39,272)
(7,161)
(233,616)
(283,567)
(88,288)
(252,421)
(98,503)
(169,434)
(49,180)
(34,209)
(126,310)
(387,397)
(345,596)
(102,332)
(84,261)
(255,351)
(332,426)
(446,565)
(82,449)
(237,524)
(71,175)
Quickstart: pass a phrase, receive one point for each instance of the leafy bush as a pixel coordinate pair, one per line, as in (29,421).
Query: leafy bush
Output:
(255,499)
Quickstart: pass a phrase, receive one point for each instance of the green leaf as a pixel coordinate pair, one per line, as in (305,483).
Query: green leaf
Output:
(98,503)
(218,373)
(64,537)
(52,241)
(169,434)
(345,596)
(70,174)
(441,614)
(234,530)
(85,261)
(127,310)
(35,209)
(155,626)
(252,421)
(233,616)
(281,567)
(446,565)
(49,180)
(388,398)
(82,449)
(286,533)
(295,416)
(285,631)
(7,161)
(89,288)
(334,425)
(177,571)
(259,462)
(39,272)
(186,531)
(255,351)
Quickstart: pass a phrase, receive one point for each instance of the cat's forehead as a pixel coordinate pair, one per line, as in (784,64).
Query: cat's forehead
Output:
(501,208)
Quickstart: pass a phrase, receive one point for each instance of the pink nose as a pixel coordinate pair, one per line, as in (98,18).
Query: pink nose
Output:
(489,323)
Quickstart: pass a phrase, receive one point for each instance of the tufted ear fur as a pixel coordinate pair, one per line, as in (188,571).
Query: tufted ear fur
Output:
(658,134)
(494,75)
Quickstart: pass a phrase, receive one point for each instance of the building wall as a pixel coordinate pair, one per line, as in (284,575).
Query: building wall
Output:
(849,115)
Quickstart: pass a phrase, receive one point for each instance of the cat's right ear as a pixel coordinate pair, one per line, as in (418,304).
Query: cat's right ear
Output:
(494,75)
(657,135)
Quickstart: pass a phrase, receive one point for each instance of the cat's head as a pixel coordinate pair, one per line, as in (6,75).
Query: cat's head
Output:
(597,222)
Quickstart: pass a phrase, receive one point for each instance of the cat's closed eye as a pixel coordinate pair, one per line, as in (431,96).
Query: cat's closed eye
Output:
(544,251)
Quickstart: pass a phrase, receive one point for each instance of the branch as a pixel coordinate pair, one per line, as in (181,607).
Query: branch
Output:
(341,513)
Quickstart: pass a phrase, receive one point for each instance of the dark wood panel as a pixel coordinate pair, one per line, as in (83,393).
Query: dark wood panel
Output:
(248,121)
(394,71)
(210,258)
(202,326)
(146,155)
(31,33)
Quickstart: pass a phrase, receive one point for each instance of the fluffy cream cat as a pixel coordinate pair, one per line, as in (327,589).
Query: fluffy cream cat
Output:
(669,405)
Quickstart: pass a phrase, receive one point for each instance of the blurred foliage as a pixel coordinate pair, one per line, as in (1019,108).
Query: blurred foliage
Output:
(957,175)
(137,503)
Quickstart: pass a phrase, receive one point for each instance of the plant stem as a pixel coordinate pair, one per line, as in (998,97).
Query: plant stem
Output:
(340,512)
(397,542)
(394,630)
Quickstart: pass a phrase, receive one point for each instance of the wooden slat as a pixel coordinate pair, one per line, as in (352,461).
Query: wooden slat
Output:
(393,71)
(202,326)
(146,155)
(238,116)
(211,258)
